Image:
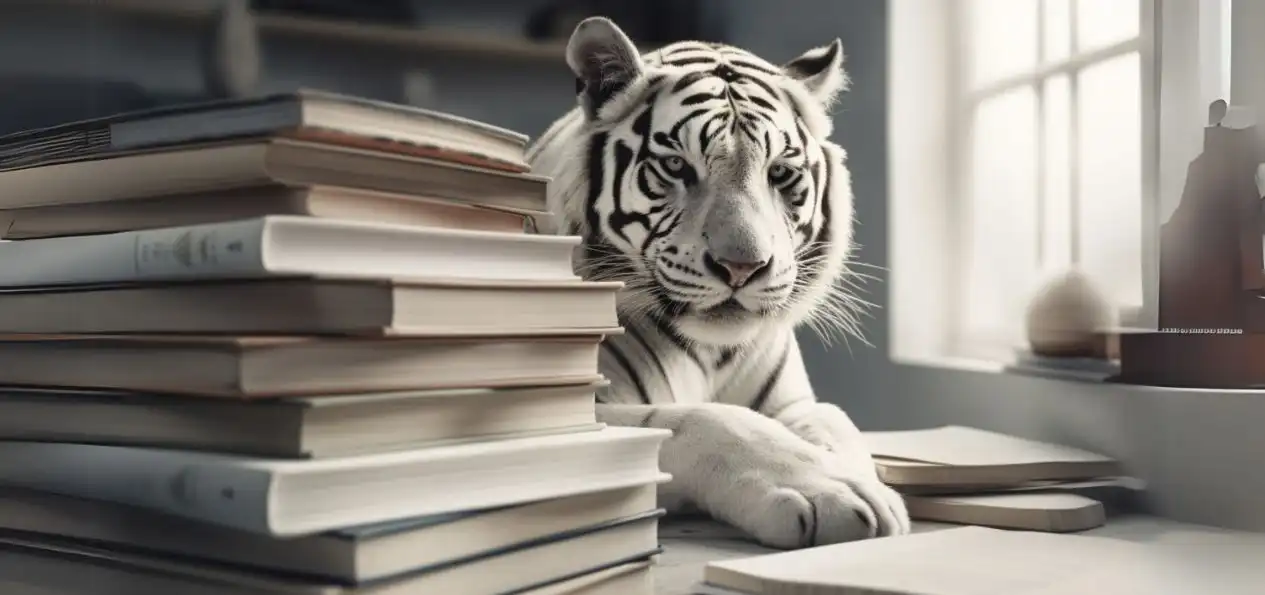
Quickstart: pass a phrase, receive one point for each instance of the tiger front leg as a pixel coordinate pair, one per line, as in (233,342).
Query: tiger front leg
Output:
(829,428)
(750,471)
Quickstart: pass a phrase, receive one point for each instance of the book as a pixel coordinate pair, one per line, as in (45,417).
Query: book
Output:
(51,566)
(956,561)
(351,556)
(299,427)
(222,206)
(278,246)
(303,114)
(255,162)
(633,578)
(256,367)
(977,560)
(1071,368)
(962,456)
(315,307)
(293,498)
(1119,491)
(1030,511)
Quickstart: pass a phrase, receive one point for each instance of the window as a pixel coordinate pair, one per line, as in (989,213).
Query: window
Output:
(1029,135)
(1049,157)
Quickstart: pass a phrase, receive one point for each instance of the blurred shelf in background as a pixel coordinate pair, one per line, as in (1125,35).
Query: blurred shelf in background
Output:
(422,41)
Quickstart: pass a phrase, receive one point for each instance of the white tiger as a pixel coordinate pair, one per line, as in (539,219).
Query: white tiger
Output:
(701,176)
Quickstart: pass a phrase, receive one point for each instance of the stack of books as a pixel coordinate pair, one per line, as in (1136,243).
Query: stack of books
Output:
(303,344)
(964,475)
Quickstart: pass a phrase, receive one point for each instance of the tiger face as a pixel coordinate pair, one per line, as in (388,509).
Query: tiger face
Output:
(709,185)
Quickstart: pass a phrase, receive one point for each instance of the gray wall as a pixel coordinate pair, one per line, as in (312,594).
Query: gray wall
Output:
(780,31)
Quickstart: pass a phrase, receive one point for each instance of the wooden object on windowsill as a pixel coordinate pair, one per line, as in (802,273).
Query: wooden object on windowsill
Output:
(1204,360)
(1211,310)
(1211,248)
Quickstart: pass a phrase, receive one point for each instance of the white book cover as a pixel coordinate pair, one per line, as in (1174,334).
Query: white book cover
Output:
(286,246)
(303,497)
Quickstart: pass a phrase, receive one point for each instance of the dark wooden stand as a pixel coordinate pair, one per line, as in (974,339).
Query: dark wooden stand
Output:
(1211,311)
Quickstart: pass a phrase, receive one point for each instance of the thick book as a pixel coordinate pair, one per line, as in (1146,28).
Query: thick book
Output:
(222,206)
(293,498)
(286,246)
(256,367)
(962,456)
(303,114)
(354,555)
(252,162)
(315,307)
(297,427)
(46,566)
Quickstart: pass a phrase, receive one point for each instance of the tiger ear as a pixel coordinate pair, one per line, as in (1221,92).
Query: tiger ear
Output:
(604,61)
(821,71)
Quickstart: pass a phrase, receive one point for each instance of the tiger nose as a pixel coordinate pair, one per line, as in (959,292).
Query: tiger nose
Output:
(735,273)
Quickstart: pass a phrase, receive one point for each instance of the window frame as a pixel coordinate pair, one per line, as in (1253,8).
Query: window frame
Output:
(967,343)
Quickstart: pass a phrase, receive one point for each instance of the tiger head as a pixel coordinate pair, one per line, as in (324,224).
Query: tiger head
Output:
(702,177)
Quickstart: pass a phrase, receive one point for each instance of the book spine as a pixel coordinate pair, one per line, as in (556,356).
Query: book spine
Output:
(171,482)
(219,250)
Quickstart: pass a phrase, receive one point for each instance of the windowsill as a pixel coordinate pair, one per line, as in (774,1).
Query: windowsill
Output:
(986,366)
(949,362)
(983,369)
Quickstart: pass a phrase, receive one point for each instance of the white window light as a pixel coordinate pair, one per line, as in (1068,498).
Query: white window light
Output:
(1026,137)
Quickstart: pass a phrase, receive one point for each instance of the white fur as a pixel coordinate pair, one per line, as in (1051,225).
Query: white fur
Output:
(794,473)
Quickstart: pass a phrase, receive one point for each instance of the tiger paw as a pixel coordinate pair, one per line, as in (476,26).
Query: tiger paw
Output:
(815,508)
(753,473)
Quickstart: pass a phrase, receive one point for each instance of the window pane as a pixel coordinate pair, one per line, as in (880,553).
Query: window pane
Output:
(1056,212)
(1003,38)
(1002,210)
(1056,16)
(1100,23)
(1110,130)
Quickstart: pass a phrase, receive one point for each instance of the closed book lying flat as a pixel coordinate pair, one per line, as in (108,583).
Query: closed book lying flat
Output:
(289,498)
(1031,511)
(350,556)
(633,578)
(255,162)
(285,246)
(315,307)
(297,427)
(222,206)
(960,561)
(245,367)
(46,566)
(305,113)
(961,456)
